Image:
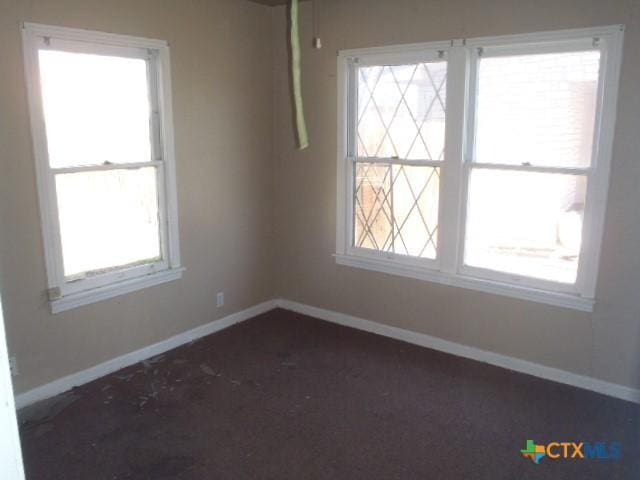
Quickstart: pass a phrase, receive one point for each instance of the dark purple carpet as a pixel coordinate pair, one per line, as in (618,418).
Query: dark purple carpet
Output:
(285,396)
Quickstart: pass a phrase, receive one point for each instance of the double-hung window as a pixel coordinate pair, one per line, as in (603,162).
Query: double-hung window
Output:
(481,163)
(103,141)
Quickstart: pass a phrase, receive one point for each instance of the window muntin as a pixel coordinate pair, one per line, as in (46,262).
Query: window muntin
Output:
(400,130)
(571,168)
(396,208)
(107,197)
(401,111)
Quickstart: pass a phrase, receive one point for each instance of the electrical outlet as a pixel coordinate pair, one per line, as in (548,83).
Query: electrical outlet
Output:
(220,299)
(13,366)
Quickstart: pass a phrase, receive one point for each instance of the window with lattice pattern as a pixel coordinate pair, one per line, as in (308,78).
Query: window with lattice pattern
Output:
(482,163)
(400,145)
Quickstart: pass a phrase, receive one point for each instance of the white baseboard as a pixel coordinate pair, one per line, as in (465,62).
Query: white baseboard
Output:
(80,378)
(510,363)
(85,376)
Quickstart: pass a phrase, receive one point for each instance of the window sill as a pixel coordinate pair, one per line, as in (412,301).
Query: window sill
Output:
(87,297)
(488,286)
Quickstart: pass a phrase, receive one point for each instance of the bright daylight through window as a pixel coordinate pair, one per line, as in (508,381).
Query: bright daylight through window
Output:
(96,112)
(106,172)
(533,111)
(480,161)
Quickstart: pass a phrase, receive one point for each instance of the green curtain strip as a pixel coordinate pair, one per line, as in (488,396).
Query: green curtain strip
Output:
(296,73)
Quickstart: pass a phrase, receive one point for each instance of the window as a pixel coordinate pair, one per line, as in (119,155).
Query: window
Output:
(102,131)
(400,146)
(481,163)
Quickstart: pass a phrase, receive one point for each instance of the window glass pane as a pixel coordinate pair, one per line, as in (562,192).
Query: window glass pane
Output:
(525,223)
(108,219)
(537,109)
(96,108)
(396,209)
(401,111)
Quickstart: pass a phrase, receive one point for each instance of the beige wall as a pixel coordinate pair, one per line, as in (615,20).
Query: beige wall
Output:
(605,344)
(257,217)
(221,72)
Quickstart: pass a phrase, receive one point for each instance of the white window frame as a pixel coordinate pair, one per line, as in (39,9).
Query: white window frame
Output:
(462,56)
(65,294)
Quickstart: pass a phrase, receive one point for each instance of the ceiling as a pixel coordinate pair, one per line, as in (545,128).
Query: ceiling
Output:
(273,2)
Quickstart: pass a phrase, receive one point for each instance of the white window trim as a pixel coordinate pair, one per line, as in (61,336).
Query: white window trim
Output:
(64,295)
(448,268)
